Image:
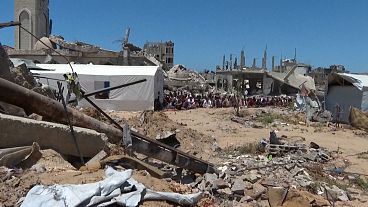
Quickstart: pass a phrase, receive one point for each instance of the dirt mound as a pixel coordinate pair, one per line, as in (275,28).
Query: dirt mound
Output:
(92,112)
(154,124)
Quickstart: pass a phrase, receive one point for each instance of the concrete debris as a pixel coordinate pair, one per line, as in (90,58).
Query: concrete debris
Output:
(168,138)
(49,136)
(179,78)
(23,157)
(238,187)
(277,171)
(335,193)
(276,196)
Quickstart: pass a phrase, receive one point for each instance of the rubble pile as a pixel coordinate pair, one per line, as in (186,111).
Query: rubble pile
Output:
(156,124)
(80,157)
(83,143)
(180,77)
(265,180)
(21,75)
(263,117)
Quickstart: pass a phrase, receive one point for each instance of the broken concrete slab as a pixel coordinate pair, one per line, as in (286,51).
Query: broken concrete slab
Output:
(238,187)
(275,196)
(257,191)
(18,131)
(210,177)
(252,177)
(24,156)
(219,184)
(5,64)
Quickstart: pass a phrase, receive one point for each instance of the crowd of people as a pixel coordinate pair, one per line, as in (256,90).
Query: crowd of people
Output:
(185,100)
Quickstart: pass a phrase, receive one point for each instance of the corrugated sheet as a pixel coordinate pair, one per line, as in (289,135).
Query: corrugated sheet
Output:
(359,81)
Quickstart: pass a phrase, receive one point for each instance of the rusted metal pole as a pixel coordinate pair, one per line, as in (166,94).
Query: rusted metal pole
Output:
(113,88)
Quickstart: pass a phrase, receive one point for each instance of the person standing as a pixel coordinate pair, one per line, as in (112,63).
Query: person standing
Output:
(73,86)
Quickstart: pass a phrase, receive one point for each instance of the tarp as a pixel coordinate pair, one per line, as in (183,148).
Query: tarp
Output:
(137,97)
(117,188)
(358,118)
(358,80)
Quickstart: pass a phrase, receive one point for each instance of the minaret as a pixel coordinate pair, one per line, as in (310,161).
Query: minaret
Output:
(242,60)
(34,16)
(264,59)
(223,62)
(281,69)
(231,61)
(254,63)
(295,55)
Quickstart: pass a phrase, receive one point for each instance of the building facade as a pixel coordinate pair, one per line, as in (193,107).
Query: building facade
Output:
(162,51)
(34,16)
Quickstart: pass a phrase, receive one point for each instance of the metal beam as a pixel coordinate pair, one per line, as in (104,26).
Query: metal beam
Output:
(9,24)
(113,88)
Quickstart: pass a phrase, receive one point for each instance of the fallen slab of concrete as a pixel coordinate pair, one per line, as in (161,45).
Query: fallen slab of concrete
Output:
(18,131)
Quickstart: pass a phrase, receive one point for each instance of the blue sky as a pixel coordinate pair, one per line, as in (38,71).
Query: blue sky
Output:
(324,32)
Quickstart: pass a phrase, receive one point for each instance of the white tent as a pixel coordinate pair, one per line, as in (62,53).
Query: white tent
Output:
(136,97)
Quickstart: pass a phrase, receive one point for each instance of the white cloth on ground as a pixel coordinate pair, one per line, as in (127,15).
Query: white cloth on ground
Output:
(117,188)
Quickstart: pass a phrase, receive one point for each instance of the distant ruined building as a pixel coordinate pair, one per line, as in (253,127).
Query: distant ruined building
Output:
(34,16)
(162,51)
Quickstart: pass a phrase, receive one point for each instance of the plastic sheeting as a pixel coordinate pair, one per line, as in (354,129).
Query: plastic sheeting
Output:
(136,97)
(358,80)
(117,188)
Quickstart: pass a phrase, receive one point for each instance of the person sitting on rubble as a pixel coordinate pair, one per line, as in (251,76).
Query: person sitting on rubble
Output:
(73,87)
(192,102)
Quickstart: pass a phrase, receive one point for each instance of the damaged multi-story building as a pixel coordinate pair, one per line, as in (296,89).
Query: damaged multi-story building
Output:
(34,16)
(162,51)
(286,78)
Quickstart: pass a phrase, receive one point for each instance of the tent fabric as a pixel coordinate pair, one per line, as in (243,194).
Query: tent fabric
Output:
(136,97)
(358,80)
(117,188)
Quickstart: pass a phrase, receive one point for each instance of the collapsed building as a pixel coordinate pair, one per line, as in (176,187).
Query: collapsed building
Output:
(320,74)
(287,78)
(162,51)
(179,78)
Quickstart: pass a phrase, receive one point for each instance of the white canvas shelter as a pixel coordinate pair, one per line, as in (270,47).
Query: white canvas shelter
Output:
(136,97)
(346,90)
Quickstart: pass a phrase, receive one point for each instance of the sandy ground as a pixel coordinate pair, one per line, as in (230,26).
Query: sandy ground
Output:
(196,129)
(217,124)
